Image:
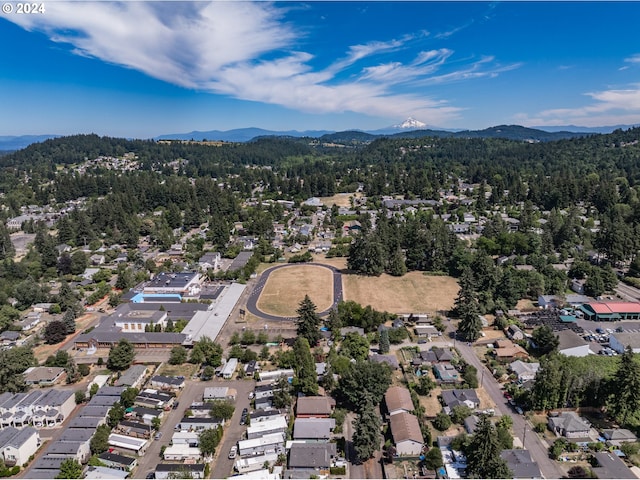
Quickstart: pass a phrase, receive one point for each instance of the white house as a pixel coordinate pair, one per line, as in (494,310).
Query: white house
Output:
(229,368)
(272,443)
(182,452)
(253,464)
(18,445)
(406,433)
(130,444)
(172,470)
(524,371)
(275,425)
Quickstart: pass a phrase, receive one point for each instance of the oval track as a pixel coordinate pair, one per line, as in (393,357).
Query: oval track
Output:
(252,301)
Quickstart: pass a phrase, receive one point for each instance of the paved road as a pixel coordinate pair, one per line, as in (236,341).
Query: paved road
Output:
(627,292)
(192,392)
(521,428)
(252,301)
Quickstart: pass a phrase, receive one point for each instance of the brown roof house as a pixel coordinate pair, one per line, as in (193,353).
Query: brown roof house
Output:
(398,400)
(43,375)
(507,350)
(315,407)
(406,433)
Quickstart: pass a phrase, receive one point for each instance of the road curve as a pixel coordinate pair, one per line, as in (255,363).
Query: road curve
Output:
(252,301)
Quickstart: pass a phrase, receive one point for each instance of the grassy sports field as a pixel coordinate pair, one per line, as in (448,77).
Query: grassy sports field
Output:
(286,288)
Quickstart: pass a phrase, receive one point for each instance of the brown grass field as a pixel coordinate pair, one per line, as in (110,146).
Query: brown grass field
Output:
(286,288)
(340,199)
(413,292)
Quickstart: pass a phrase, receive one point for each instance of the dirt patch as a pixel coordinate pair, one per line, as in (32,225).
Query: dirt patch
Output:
(43,351)
(340,199)
(186,370)
(485,399)
(525,305)
(413,292)
(286,288)
(338,262)
(431,403)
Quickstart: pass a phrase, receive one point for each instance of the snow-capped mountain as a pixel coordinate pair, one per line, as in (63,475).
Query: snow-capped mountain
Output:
(410,123)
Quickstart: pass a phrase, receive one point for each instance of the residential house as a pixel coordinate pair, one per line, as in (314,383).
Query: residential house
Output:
(508,351)
(186,438)
(313,429)
(192,423)
(173,470)
(210,261)
(229,368)
(17,446)
(271,443)
(132,377)
(45,376)
(182,452)
(167,383)
(549,301)
(514,333)
(397,400)
(406,433)
(390,360)
(455,397)
(105,473)
(151,398)
(523,370)
(275,425)
(315,407)
(611,466)
(219,393)
(426,331)
(617,436)
(444,354)
(253,467)
(446,373)
(569,425)
(119,462)
(9,338)
(266,414)
(133,445)
(521,464)
(274,375)
(147,415)
(311,457)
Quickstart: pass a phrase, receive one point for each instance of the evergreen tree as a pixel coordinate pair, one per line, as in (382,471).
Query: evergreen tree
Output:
(308,322)
(7,250)
(367,436)
(545,340)
(625,400)
(305,368)
(483,455)
(55,332)
(69,320)
(384,341)
(396,266)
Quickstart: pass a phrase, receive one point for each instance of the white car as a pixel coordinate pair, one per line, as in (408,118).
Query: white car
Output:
(233,452)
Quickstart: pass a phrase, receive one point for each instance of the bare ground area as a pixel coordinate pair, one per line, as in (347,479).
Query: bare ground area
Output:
(413,292)
(286,288)
(42,352)
(340,199)
(525,304)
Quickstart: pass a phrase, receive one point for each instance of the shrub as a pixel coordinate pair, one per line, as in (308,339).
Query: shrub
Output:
(337,470)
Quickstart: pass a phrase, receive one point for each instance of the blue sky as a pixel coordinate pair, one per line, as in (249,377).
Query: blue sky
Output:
(141,69)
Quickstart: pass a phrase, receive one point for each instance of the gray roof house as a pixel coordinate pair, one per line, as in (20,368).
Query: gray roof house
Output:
(618,436)
(521,464)
(313,429)
(455,397)
(570,425)
(132,377)
(611,466)
(523,370)
(311,456)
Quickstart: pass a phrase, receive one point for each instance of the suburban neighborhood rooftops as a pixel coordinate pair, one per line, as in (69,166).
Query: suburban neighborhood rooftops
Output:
(398,398)
(520,463)
(405,426)
(315,405)
(315,455)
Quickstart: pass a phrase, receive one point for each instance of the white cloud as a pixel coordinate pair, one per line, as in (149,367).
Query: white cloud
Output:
(609,107)
(634,59)
(245,50)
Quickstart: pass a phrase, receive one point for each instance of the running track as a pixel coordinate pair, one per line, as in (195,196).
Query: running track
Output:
(252,301)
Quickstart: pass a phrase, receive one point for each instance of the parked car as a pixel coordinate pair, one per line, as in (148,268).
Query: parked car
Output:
(251,395)
(233,452)
(175,405)
(158,436)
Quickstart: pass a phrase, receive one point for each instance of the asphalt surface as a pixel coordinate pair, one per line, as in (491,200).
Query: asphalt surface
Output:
(522,429)
(252,301)
(221,466)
